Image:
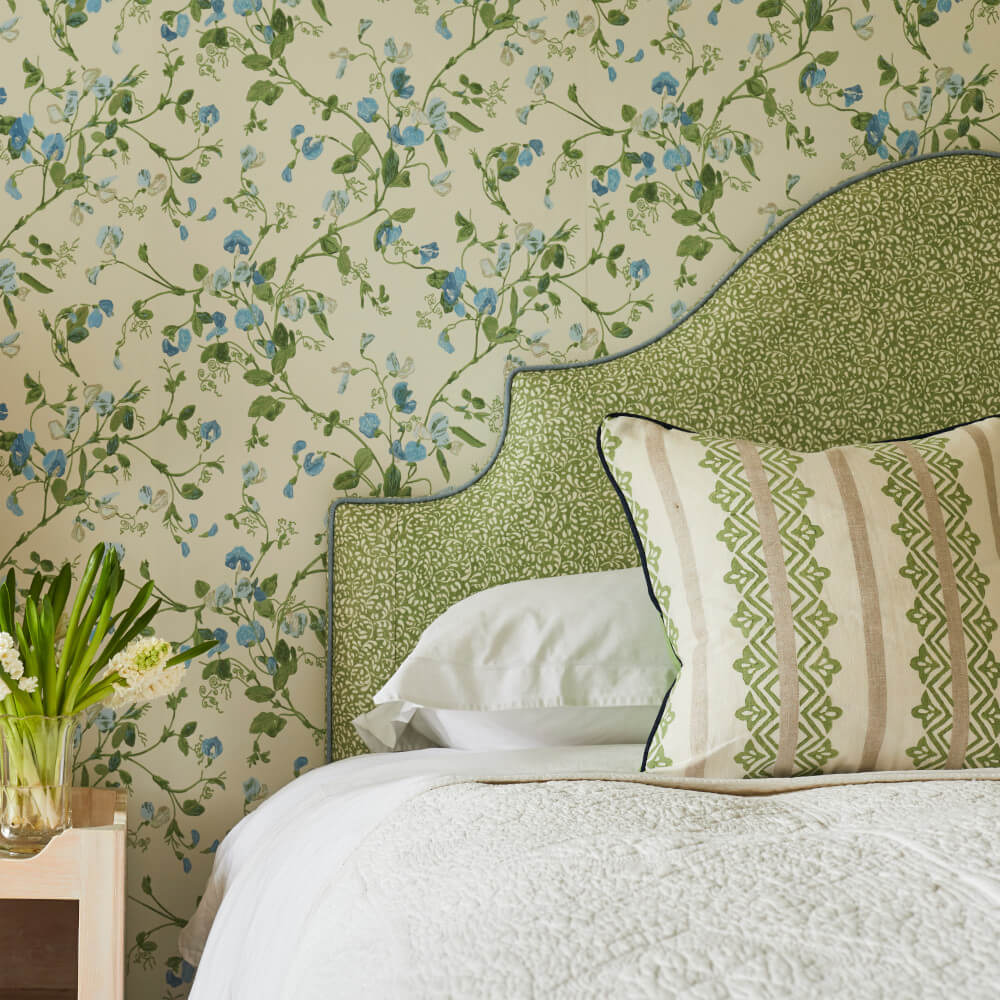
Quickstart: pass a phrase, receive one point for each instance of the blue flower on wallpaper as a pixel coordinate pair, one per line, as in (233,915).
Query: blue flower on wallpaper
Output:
(485,301)
(218,12)
(677,158)
(102,87)
(442,28)
(54,462)
(387,234)
(405,402)
(3,411)
(210,431)
(413,452)
(312,147)
(237,242)
(639,269)
(853,94)
(908,143)
(187,971)
(400,81)
(182,24)
(368,424)
(146,811)
(437,115)
(245,7)
(105,721)
(53,146)
(811,76)
(534,242)
(876,128)
(20,450)
(251,789)
(211,747)
(954,85)
(208,114)
(221,637)
(20,132)
(298,764)
(410,136)
(367,109)
(239,558)
(539,78)
(428,252)
(250,472)
(612,180)
(665,83)
(444,342)
(250,634)
(451,289)
(313,464)
(248,317)
(13,506)
(648,167)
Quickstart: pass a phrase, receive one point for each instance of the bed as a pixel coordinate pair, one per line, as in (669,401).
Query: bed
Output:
(870,315)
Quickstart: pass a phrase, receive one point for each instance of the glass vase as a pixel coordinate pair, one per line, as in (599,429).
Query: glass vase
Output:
(36,776)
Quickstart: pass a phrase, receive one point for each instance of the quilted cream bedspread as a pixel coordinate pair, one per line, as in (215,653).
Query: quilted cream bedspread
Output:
(612,889)
(564,873)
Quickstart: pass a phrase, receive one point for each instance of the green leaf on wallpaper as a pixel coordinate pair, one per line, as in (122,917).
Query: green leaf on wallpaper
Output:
(214,36)
(257,376)
(687,217)
(344,262)
(199,271)
(628,112)
(189,175)
(363,459)
(827,58)
(320,9)
(201,588)
(265,91)
(267,723)
(747,161)
(769,8)
(695,109)
(488,13)
(361,143)
(190,491)
(267,407)
(463,435)
(860,120)
(191,807)
(620,330)
(259,693)
(814,12)
(346,480)
(256,61)
(464,122)
(403,214)
(34,283)
(618,18)
(889,72)
(33,75)
(694,246)
(443,464)
(58,173)
(439,146)
(391,481)
(390,167)
(345,164)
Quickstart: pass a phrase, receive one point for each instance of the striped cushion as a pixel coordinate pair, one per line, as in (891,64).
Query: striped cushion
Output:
(832,611)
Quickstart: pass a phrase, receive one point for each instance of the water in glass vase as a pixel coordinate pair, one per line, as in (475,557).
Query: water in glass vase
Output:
(36,770)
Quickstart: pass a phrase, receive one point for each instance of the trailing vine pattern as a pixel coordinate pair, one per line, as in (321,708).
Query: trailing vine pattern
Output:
(256,254)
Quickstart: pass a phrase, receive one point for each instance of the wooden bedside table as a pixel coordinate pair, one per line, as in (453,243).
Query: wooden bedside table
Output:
(62,912)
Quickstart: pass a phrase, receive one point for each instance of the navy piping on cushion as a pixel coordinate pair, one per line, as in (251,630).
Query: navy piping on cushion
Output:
(528,369)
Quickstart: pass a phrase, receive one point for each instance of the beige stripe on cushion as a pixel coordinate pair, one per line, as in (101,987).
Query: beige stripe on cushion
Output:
(978,435)
(952,606)
(664,477)
(871,612)
(781,606)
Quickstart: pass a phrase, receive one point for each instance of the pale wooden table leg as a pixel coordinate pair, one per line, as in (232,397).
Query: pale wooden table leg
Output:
(101,957)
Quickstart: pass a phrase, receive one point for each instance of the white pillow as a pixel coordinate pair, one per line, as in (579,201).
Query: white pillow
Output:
(567,660)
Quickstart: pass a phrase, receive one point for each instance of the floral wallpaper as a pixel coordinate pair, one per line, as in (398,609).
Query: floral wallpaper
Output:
(255,255)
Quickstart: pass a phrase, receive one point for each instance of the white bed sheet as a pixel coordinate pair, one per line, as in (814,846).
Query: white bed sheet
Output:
(276,919)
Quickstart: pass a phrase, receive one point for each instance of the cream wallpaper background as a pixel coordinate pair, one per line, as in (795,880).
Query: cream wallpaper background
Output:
(256,255)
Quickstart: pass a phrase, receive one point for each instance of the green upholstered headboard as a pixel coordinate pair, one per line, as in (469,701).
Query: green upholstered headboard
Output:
(872,313)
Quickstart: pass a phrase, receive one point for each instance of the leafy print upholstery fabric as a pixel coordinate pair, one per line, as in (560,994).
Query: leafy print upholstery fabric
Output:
(257,254)
(831,609)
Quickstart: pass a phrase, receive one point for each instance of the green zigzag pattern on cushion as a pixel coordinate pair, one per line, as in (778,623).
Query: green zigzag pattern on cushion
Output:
(932,662)
(834,331)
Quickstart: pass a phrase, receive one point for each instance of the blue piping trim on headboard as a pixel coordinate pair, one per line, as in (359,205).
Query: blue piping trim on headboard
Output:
(527,369)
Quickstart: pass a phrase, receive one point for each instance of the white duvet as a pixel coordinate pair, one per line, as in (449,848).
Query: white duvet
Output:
(564,873)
